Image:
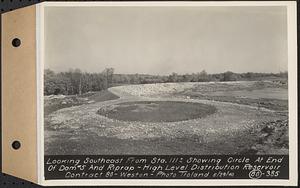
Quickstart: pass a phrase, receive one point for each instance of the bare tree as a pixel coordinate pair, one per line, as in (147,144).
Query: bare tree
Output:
(109,76)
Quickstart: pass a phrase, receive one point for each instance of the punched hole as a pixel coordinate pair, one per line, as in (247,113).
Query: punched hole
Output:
(16,42)
(16,145)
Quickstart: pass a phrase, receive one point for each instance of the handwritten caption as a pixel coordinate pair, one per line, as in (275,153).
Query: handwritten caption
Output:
(166,167)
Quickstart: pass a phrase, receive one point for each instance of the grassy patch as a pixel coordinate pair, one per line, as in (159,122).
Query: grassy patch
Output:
(103,96)
(251,93)
(157,111)
(272,104)
(54,103)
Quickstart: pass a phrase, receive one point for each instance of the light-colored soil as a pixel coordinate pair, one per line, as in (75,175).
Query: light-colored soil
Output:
(231,129)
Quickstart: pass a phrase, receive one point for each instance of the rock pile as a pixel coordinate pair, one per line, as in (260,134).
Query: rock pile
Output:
(147,90)
(272,139)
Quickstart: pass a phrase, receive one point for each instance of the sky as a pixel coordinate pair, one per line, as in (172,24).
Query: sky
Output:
(162,40)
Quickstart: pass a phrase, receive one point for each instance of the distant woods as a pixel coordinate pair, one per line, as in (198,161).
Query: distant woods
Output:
(75,81)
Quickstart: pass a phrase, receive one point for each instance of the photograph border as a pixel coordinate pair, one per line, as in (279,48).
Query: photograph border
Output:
(292,90)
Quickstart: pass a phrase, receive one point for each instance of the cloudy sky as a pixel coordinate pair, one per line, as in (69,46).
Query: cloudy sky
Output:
(162,40)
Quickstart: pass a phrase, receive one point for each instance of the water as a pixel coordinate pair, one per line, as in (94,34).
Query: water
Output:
(270,93)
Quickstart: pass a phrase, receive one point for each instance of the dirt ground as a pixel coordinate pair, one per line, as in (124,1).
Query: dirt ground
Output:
(238,126)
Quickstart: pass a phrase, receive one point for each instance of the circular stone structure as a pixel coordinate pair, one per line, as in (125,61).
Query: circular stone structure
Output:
(157,111)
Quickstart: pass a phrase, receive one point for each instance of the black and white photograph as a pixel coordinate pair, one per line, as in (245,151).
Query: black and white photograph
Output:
(167,81)
(149,93)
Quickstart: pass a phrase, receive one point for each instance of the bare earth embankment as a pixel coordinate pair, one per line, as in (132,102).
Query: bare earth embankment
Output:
(171,118)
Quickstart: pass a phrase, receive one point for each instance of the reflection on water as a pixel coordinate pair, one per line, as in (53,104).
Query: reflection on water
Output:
(270,93)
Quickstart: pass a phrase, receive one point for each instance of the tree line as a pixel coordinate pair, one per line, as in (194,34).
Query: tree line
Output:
(75,81)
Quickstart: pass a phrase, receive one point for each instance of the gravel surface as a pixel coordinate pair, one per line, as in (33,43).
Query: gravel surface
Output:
(230,130)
